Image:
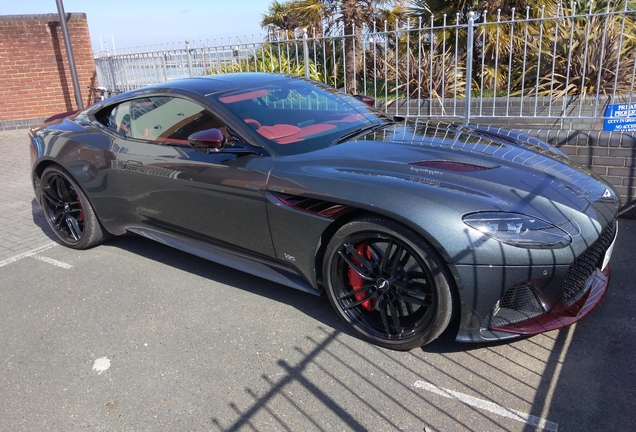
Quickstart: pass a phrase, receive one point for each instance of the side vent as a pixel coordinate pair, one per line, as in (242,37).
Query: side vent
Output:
(318,207)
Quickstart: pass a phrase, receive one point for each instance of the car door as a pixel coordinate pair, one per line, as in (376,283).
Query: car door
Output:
(215,197)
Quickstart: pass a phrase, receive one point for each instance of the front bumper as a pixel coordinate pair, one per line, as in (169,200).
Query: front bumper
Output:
(513,301)
(559,316)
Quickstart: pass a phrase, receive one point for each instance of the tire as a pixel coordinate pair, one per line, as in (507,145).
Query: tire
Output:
(68,211)
(397,304)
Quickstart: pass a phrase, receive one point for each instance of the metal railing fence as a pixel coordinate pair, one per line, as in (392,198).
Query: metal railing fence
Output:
(555,62)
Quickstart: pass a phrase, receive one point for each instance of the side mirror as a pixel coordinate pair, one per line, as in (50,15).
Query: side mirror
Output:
(207,140)
(366,99)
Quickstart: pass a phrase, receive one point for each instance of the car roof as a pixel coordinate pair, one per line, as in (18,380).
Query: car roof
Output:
(215,83)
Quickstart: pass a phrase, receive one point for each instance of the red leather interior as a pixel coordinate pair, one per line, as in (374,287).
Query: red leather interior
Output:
(254,124)
(287,134)
(244,96)
(277,131)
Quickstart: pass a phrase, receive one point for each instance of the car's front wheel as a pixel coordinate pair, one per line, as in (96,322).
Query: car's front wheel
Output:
(68,211)
(387,284)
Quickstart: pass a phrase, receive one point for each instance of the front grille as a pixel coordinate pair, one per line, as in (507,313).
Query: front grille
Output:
(518,304)
(586,264)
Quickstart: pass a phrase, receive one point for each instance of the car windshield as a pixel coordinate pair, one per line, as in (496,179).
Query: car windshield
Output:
(294,116)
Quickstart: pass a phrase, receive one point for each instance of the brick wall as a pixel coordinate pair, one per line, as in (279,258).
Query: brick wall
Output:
(35,80)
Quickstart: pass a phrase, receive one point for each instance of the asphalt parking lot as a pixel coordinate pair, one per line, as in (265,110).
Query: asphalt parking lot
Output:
(132,335)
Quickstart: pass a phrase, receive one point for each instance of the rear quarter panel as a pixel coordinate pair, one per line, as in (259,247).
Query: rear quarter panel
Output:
(88,155)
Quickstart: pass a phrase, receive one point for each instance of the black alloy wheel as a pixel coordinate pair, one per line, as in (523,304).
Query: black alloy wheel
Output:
(67,210)
(387,284)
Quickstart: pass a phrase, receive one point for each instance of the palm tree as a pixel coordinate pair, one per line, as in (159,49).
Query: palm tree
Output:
(318,14)
(281,16)
(439,8)
(353,15)
(312,14)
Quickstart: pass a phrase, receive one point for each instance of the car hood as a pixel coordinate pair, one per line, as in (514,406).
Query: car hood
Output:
(487,169)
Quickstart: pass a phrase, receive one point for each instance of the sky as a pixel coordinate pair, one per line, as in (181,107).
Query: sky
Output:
(150,22)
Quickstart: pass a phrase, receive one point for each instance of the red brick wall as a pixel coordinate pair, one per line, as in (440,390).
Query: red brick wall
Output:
(35,80)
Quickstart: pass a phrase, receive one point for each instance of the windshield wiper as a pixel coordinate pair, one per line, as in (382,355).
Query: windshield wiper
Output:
(362,130)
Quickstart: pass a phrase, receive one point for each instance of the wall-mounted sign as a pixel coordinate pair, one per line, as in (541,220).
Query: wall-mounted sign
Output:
(622,117)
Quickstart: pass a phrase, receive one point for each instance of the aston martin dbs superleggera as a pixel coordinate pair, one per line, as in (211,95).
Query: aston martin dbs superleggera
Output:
(406,225)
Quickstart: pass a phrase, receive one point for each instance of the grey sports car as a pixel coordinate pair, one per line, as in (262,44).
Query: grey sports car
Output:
(406,225)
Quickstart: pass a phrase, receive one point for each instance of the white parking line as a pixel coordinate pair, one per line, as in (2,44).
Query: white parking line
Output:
(489,406)
(30,253)
(54,262)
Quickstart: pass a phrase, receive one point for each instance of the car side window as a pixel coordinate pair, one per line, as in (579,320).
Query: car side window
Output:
(119,119)
(169,119)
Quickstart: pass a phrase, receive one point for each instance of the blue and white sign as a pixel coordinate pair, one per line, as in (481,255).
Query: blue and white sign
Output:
(622,117)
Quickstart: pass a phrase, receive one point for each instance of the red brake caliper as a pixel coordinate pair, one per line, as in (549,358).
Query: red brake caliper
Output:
(81,209)
(356,281)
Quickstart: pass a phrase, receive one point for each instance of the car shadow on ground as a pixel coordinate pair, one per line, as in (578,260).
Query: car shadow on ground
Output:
(315,307)
(39,219)
(585,373)
(311,305)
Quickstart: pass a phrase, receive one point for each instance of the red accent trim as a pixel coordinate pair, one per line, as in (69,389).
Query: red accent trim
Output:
(333,212)
(562,315)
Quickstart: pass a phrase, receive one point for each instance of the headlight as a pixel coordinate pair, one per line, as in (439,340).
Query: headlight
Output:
(518,229)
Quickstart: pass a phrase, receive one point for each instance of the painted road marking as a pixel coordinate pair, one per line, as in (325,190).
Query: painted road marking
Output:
(27,254)
(101,365)
(53,261)
(489,406)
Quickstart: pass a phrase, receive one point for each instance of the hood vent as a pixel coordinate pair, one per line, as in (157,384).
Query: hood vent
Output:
(450,166)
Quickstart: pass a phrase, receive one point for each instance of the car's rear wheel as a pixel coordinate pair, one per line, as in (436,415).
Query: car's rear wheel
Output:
(67,210)
(387,284)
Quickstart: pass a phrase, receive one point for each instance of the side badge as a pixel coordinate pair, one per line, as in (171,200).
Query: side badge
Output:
(607,193)
(290,257)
